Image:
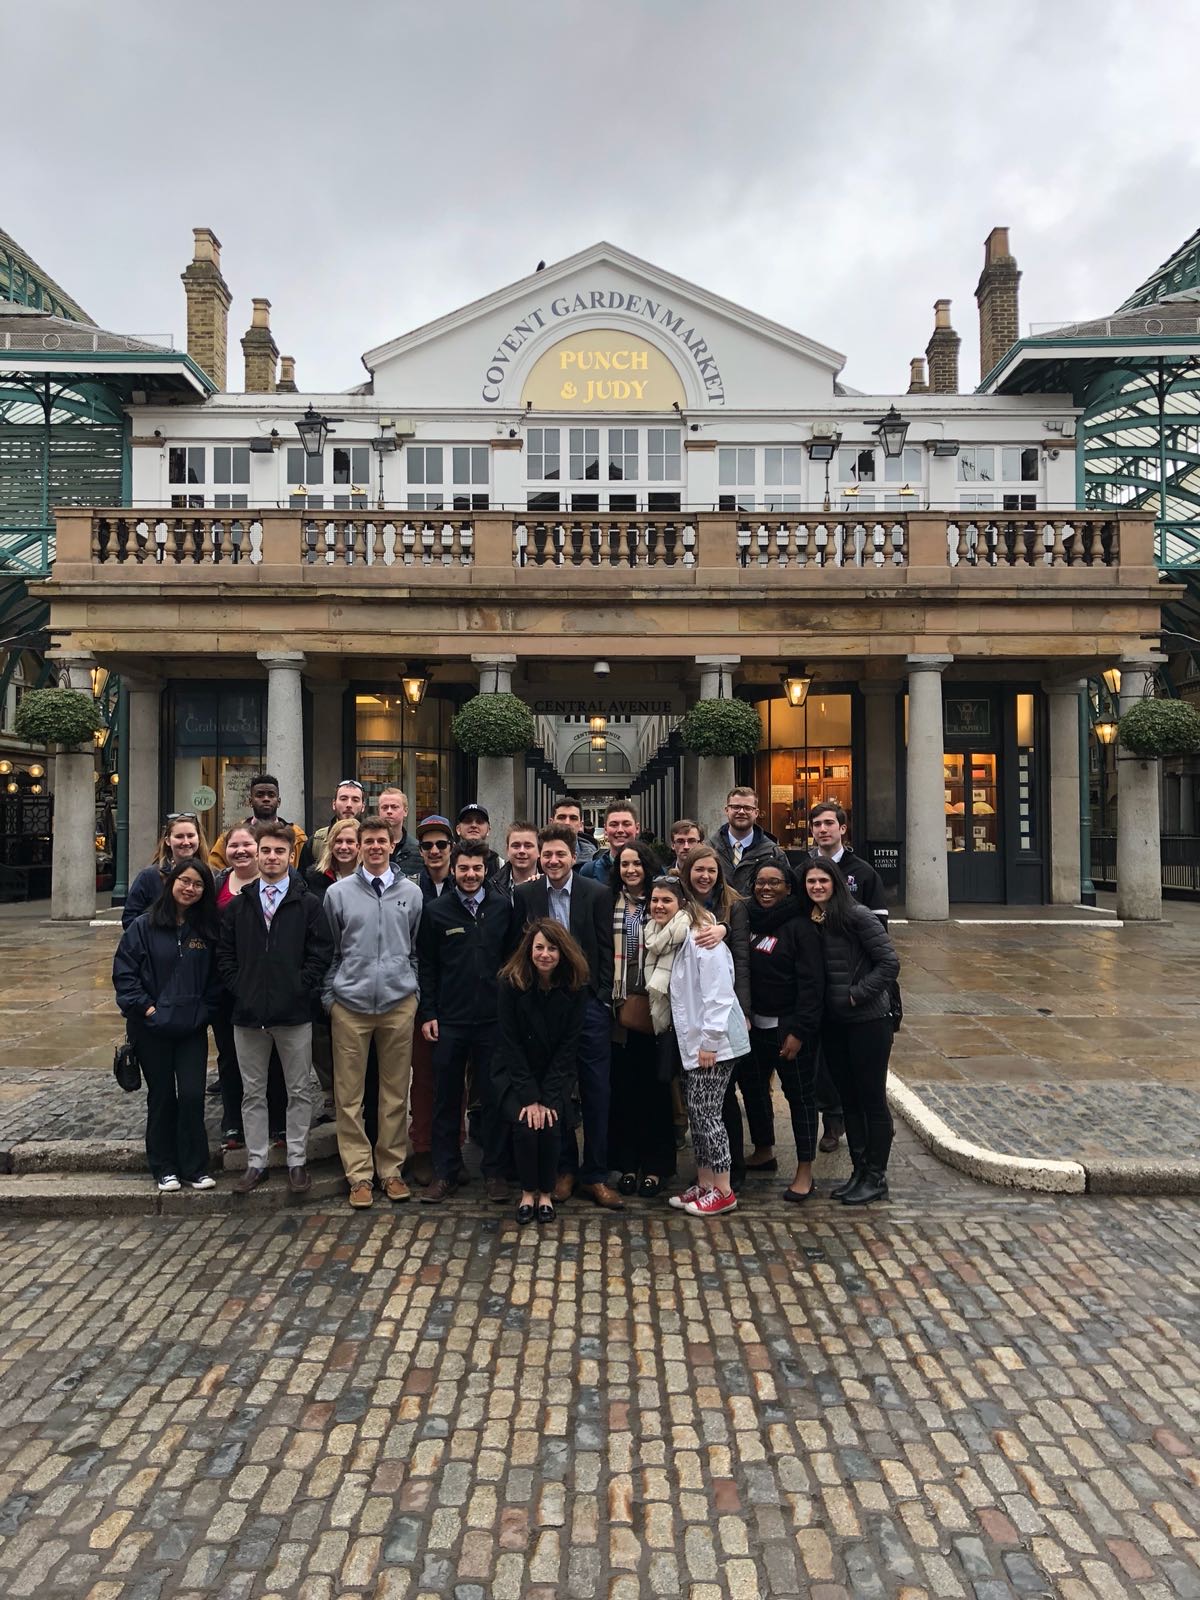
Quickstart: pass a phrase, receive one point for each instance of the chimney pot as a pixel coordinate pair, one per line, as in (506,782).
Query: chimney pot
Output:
(261,315)
(287,375)
(917,382)
(207,246)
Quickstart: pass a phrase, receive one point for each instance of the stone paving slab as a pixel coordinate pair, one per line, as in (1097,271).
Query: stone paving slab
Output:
(976,1398)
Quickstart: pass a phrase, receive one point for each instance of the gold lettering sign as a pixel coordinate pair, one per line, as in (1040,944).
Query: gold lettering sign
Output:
(603,369)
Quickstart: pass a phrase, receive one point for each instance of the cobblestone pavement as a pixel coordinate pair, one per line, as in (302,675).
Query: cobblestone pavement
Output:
(1075,1121)
(965,1393)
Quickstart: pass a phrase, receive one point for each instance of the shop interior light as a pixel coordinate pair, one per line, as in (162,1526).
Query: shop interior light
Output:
(100,736)
(891,431)
(598,724)
(1106,731)
(796,686)
(599,742)
(99,677)
(414,683)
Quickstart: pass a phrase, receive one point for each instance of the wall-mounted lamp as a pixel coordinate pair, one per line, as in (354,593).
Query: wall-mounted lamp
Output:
(37,771)
(1112,681)
(795,686)
(314,430)
(413,682)
(1106,731)
(891,430)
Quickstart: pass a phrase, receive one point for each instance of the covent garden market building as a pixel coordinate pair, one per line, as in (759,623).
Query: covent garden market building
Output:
(612,493)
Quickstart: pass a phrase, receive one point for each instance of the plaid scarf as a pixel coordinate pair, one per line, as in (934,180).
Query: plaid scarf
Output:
(631,915)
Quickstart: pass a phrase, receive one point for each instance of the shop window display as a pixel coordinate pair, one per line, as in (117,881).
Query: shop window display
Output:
(806,758)
(411,749)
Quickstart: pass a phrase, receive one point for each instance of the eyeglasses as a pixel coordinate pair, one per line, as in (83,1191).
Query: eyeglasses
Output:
(435,844)
(741,808)
(190,885)
(350,783)
(182,816)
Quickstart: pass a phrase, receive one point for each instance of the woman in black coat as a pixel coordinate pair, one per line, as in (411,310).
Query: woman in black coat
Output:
(541,998)
(861,966)
(165,976)
(787,989)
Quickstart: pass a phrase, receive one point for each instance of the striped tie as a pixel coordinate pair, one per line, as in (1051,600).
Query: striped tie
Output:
(270,890)
(737,854)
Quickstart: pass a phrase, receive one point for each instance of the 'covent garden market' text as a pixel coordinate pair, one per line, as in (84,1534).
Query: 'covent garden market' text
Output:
(588,304)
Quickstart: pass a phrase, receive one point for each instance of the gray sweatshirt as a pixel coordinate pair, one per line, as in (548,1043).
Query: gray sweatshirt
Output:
(374,944)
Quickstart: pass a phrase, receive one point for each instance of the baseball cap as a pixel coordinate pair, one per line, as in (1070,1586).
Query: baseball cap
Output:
(434,821)
(474,808)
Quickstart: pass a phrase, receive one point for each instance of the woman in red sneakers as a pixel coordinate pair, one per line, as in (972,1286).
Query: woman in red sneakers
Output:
(712,1038)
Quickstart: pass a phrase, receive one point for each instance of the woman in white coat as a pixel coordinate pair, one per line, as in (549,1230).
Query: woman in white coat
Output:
(712,1038)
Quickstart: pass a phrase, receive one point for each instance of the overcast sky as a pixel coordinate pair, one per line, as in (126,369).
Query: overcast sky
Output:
(373,164)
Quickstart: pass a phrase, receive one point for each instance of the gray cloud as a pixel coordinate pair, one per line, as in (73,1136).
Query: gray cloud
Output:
(372,165)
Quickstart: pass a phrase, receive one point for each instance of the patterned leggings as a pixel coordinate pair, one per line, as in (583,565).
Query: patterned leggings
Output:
(705,1091)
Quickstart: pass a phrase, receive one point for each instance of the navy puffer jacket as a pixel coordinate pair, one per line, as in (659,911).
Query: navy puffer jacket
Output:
(860,966)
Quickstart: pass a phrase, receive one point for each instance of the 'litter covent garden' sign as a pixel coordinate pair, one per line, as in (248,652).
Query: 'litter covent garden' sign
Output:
(603,368)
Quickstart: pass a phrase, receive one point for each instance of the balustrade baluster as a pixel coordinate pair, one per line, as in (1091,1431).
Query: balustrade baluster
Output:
(256,542)
(1056,555)
(743,544)
(689,546)
(576,544)
(216,535)
(237,532)
(466,544)
(595,544)
(670,540)
(389,544)
(897,544)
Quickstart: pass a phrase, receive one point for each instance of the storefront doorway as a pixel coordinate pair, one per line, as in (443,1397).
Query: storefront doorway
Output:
(993,795)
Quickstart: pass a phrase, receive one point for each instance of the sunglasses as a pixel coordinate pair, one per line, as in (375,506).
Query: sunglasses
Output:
(350,783)
(182,816)
(435,844)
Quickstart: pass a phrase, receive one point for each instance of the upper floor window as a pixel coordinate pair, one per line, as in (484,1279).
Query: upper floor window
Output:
(623,454)
(584,453)
(979,463)
(186,465)
(470,466)
(347,471)
(663,459)
(231,467)
(543,454)
(867,464)
(426,473)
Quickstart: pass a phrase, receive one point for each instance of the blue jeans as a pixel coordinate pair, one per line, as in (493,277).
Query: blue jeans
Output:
(594,1093)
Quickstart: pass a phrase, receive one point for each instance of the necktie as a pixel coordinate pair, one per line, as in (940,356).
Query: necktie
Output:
(472,909)
(377,885)
(270,890)
(737,854)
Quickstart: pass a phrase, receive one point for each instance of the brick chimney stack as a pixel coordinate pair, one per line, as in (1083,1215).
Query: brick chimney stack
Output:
(287,375)
(942,351)
(260,350)
(996,294)
(917,381)
(208,300)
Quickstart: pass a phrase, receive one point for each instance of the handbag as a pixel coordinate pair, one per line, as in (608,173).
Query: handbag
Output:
(633,1014)
(127,1069)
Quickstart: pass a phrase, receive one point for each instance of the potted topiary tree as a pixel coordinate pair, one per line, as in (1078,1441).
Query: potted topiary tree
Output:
(721,728)
(65,720)
(1154,728)
(58,717)
(494,725)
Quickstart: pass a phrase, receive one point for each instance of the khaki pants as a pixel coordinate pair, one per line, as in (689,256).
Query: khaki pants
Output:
(353,1032)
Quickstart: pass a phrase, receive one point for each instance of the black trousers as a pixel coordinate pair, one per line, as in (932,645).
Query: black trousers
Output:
(857,1054)
(229,1076)
(828,1103)
(641,1116)
(456,1043)
(799,1080)
(731,1116)
(753,1080)
(536,1152)
(595,1087)
(175,1071)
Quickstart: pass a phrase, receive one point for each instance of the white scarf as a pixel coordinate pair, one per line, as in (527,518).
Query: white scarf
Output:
(660,941)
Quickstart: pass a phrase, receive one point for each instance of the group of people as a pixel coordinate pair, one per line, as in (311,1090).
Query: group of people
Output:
(419,989)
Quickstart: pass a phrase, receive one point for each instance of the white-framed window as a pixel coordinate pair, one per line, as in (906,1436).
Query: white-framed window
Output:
(1012,474)
(583,454)
(892,483)
(543,455)
(622,455)
(470,474)
(186,466)
(424,471)
(460,472)
(737,476)
(231,469)
(782,468)
(344,469)
(664,455)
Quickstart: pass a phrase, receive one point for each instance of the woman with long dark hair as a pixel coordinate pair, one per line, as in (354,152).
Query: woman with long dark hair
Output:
(165,976)
(861,966)
(641,1130)
(182,839)
(541,998)
(787,990)
(711,1035)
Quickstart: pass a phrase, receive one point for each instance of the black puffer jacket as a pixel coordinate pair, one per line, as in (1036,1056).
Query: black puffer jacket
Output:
(860,966)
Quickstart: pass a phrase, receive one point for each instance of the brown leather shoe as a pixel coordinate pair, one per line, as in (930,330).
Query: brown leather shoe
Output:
(418,1168)
(250,1179)
(396,1189)
(603,1196)
(832,1129)
(299,1180)
(497,1191)
(362,1196)
(437,1191)
(564,1186)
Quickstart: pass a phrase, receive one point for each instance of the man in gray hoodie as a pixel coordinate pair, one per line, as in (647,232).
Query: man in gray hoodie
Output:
(370,994)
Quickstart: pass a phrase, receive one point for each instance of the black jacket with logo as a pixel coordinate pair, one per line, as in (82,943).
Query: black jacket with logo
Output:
(459,955)
(171,969)
(274,973)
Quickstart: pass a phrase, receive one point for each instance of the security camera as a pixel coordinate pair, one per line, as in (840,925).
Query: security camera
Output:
(602,669)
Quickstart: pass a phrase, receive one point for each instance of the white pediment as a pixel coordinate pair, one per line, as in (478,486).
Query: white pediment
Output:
(725,357)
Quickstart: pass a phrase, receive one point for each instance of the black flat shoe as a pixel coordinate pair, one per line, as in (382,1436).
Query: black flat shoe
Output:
(546,1213)
(872,1185)
(627,1183)
(796,1197)
(650,1188)
(525,1215)
(772,1165)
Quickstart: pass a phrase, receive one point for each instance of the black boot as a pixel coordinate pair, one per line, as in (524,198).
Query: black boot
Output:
(871,1185)
(857,1164)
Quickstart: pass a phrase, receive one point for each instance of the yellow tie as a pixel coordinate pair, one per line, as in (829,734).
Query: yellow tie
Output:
(737,855)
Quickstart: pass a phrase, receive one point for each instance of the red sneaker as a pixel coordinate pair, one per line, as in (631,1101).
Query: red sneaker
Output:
(711,1203)
(681,1201)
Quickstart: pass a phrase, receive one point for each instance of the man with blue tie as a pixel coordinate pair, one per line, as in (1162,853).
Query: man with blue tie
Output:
(371,995)
(272,958)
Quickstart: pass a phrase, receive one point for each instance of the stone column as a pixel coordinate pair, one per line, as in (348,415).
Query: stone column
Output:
(285,729)
(1065,859)
(73,848)
(496,776)
(927,892)
(328,700)
(1187,802)
(144,777)
(882,820)
(1139,857)
(714,774)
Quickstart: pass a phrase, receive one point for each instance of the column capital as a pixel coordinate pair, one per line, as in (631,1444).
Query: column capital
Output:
(928,663)
(1142,663)
(878,686)
(495,673)
(718,661)
(1069,686)
(282,660)
(494,661)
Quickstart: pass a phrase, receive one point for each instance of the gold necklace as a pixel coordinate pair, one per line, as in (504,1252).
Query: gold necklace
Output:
(818,914)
